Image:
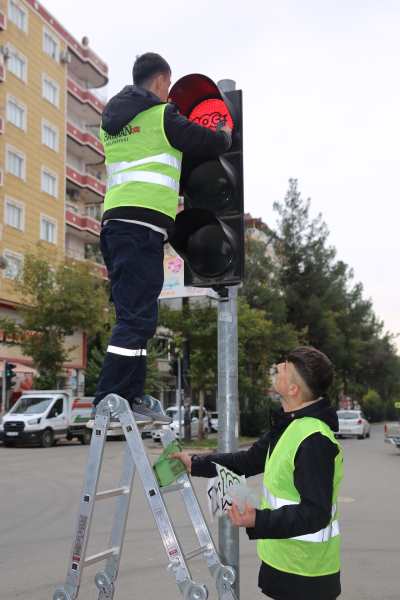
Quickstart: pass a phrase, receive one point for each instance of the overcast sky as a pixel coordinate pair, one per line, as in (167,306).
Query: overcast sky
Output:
(321,89)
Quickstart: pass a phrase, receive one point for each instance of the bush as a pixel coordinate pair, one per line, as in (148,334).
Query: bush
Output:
(373,406)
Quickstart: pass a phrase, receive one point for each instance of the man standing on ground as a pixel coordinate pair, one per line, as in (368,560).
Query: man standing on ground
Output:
(296,526)
(144,138)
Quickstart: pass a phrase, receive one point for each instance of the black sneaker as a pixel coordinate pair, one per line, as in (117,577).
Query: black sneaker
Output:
(151,408)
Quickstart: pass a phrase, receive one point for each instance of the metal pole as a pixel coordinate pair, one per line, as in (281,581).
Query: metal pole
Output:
(4,389)
(228,426)
(179,396)
(228,422)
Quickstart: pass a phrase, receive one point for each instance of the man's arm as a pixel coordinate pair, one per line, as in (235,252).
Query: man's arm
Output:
(313,478)
(193,139)
(246,462)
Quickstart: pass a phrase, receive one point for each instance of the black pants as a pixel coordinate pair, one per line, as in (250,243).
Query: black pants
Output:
(134,257)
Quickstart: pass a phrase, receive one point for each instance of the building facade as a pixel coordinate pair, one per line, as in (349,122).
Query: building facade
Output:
(52,176)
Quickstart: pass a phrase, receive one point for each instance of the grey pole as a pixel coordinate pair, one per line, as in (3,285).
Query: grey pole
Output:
(228,422)
(228,426)
(179,397)
(4,390)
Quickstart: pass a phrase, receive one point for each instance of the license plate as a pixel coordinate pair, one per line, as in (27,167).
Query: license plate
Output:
(14,433)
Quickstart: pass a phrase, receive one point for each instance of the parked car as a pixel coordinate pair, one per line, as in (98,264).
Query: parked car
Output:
(46,416)
(173,412)
(213,421)
(115,430)
(392,433)
(352,423)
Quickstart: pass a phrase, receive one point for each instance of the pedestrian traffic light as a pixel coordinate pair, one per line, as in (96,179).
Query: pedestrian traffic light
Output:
(209,232)
(9,370)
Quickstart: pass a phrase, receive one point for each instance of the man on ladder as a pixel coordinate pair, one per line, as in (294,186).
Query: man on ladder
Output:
(144,138)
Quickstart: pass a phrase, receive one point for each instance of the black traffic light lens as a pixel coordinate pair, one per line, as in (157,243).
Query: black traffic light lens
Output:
(209,251)
(212,186)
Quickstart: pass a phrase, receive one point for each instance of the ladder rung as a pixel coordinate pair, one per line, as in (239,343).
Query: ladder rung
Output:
(110,493)
(100,556)
(174,487)
(196,552)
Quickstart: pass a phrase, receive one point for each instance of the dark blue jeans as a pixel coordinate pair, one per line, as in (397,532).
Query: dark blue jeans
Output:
(134,257)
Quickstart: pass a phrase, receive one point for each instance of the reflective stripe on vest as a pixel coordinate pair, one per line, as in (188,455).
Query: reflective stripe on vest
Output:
(322,535)
(164,159)
(143,176)
(126,351)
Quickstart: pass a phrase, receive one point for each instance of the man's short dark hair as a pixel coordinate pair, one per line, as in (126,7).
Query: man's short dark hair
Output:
(147,66)
(314,367)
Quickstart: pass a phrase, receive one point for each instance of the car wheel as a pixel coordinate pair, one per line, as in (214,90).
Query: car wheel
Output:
(47,438)
(368,434)
(360,437)
(85,437)
(9,444)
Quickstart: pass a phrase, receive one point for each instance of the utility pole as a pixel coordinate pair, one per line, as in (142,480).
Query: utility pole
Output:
(4,388)
(228,421)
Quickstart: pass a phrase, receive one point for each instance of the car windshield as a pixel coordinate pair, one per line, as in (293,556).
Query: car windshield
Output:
(348,415)
(31,405)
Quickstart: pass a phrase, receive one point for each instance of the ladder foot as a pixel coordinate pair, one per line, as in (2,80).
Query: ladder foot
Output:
(104,583)
(195,591)
(61,594)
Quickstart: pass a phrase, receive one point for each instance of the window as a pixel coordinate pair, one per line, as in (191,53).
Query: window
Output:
(50,44)
(18,15)
(15,163)
(57,409)
(14,264)
(14,214)
(49,183)
(50,135)
(16,113)
(48,230)
(50,90)
(17,64)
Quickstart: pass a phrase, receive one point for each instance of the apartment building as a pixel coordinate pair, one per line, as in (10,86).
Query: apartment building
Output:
(52,177)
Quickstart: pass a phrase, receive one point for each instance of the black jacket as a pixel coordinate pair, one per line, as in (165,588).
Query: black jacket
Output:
(313,478)
(191,139)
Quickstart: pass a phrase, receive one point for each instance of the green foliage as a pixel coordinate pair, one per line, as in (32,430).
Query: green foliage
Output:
(372,406)
(57,301)
(329,309)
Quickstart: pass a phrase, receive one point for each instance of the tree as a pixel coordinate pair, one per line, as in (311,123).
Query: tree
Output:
(58,300)
(372,405)
(325,304)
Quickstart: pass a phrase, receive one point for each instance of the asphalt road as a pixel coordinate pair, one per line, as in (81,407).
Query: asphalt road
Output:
(39,490)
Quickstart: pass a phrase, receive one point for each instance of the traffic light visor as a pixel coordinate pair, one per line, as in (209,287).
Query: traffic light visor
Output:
(199,99)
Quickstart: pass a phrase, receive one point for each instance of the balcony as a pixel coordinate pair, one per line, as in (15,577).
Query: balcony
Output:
(2,72)
(84,144)
(84,181)
(97,268)
(1,125)
(83,101)
(88,227)
(3,21)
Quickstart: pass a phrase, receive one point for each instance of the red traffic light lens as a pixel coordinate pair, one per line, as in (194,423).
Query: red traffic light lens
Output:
(209,113)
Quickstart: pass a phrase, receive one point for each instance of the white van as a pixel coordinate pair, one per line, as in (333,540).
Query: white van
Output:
(46,416)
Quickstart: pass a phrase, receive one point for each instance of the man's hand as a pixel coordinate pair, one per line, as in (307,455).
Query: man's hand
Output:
(185,458)
(227,130)
(247,518)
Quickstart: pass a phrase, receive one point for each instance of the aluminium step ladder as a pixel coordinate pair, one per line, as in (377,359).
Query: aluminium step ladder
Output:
(136,458)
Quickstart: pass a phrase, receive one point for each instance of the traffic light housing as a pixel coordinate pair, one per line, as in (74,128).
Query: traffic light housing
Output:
(209,233)
(9,370)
